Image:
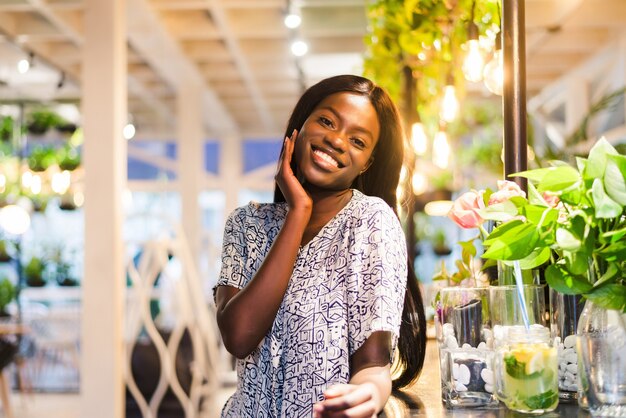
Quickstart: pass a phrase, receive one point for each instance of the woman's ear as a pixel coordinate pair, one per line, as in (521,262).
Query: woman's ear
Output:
(368,165)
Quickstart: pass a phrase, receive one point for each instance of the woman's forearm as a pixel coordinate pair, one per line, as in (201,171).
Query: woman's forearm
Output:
(244,317)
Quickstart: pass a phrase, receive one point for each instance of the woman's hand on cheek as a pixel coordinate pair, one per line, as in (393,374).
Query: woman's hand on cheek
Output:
(295,195)
(346,400)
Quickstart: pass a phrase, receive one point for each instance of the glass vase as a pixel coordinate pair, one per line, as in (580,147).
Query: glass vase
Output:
(565,311)
(602,361)
(465,347)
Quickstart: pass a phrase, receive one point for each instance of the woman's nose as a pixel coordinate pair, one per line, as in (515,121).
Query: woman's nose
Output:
(337,141)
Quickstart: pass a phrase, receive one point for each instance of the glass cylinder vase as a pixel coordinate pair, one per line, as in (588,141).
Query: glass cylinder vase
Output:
(565,311)
(601,347)
(465,347)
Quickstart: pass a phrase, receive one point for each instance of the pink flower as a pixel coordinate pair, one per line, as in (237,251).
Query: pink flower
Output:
(464,210)
(506,190)
(551,200)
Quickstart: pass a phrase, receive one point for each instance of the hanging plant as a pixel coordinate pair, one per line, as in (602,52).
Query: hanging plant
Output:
(427,36)
(39,121)
(6,129)
(41,158)
(33,272)
(69,158)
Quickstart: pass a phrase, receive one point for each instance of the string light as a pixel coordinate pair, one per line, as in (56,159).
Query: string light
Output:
(493,74)
(474,63)
(419,140)
(449,103)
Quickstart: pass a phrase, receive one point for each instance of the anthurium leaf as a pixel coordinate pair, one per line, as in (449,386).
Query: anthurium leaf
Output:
(532,260)
(614,236)
(558,178)
(566,240)
(615,178)
(540,215)
(596,163)
(615,251)
(610,273)
(469,247)
(535,175)
(577,263)
(606,207)
(609,296)
(559,279)
(513,243)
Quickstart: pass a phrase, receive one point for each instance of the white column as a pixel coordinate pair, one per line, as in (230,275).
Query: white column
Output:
(190,136)
(576,102)
(104,114)
(231,170)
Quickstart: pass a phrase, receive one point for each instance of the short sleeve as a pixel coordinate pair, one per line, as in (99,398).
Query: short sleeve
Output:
(234,253)
(378,282)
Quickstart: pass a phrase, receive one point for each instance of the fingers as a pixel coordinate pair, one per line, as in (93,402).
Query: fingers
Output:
(346,401)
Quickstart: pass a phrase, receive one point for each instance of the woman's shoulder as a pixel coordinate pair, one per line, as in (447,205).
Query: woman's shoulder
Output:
(368,205)
(255,212)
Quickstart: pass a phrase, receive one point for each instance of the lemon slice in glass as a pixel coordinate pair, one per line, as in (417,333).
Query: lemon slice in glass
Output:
(536,363)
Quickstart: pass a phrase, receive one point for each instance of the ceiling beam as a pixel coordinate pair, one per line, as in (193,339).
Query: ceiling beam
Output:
(219,17)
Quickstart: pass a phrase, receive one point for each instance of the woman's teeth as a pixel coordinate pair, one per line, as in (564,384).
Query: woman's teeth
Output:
(326,157)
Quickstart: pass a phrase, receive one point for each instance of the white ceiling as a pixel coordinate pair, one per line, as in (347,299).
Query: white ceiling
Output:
(240,50)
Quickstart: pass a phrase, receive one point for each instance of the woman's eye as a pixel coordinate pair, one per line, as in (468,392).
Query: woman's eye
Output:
(326,121)
(358,142)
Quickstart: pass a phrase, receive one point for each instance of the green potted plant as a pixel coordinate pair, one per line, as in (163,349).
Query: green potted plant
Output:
(40,120)
(68,158)
(5,255)
(62,270)
(6,128)
(34,272)
(7,294)
(440,243)
(41,158)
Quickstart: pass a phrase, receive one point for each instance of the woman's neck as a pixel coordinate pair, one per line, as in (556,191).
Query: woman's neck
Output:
(328,201)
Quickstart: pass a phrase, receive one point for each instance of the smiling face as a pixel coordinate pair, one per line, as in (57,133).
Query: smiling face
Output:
(337,140)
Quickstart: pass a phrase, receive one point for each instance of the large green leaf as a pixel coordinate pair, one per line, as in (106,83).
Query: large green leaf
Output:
(535,175)
(514,242)
(615,251)
(605,206)
(596,163)
(538,257)
(611,273)
(609,296)
(540,215)
(559,279)
(558,179)
(566,240)
(501,212)
(615,178)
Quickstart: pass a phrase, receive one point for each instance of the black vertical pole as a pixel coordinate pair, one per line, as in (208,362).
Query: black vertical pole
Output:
(409,109)
(514,91)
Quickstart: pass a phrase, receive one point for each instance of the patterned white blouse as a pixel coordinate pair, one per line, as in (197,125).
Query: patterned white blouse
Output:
(347,282)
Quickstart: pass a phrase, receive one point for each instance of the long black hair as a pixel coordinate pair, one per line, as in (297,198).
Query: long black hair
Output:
(381,180)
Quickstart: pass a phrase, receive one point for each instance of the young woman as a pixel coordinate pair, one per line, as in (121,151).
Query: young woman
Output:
(313,292)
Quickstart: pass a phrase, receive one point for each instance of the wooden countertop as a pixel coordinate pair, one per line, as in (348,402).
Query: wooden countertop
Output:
(423,398)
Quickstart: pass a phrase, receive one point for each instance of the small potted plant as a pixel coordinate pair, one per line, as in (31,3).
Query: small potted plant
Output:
(440,243)
(7,294)
(34,272)
(62,270)
(68,158)
(41,158)
(5,255)
(40,120)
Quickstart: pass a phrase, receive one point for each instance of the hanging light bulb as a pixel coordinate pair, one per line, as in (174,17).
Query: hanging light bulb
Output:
(419,183)
(419,140)
(493,74)
(35,185)
(3,183)
(474,62)
(449,103)
(293,19)
(441,149)
(299,48)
